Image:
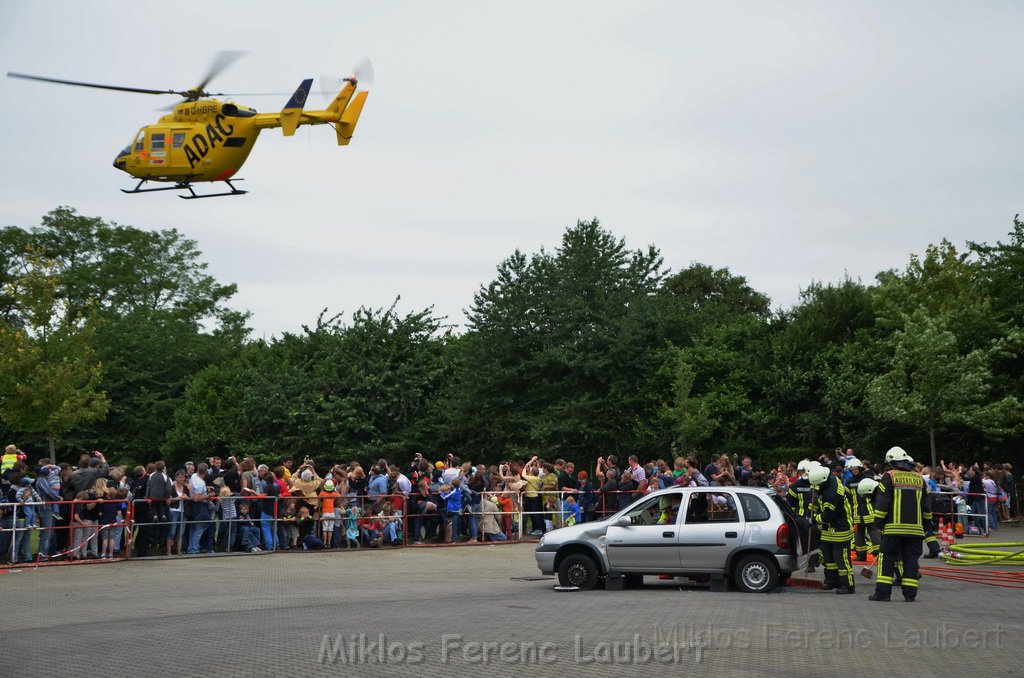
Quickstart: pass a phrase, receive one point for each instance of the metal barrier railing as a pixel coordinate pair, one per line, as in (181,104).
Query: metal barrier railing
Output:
(68,530)
(72,530)
(964,509)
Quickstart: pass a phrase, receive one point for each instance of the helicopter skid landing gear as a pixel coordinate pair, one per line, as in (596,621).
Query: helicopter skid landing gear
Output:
(185,186)
(233,191)
(137,188)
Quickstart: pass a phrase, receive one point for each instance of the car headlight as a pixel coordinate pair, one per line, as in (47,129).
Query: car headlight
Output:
(541,542)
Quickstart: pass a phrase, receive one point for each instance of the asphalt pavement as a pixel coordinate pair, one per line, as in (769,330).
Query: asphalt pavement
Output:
(478,610)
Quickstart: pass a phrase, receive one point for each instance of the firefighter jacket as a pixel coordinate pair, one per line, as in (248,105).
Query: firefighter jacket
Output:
(902,507)
(832,511)
(863,512)
(799,497)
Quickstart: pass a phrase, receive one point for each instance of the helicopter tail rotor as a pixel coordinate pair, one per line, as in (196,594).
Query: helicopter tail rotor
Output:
(363,72)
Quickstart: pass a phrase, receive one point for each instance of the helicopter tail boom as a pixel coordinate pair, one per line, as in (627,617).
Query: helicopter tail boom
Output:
(342,114)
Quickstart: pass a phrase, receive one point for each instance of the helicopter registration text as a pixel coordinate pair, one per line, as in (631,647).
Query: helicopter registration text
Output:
(197,148)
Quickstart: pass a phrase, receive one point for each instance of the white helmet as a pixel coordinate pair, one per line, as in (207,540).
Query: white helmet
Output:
(816,475)
(897,454)
(866,486)
(806,465)
(854,462)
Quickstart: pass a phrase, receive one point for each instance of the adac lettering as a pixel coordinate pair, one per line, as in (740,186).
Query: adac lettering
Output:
(197,148)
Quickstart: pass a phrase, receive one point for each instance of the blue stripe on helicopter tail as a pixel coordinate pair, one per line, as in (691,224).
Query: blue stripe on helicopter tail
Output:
(298,99)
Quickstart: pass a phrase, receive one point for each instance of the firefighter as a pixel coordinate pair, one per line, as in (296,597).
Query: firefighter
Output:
(799,493)
(902,509)
(865,520)
(860,509)
(832,513)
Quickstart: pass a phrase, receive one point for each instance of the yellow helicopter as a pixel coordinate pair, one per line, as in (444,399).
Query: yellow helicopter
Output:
(206,139)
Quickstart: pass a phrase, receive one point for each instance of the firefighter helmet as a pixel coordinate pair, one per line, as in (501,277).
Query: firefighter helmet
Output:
(816,475)
(854,462)
(896,454)
(806,465)
(866,486)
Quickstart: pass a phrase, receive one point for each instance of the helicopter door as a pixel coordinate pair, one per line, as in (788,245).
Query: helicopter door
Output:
(176,153)
(158,148)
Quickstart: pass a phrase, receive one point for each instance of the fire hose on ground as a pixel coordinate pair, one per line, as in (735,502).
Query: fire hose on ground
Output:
(962,556)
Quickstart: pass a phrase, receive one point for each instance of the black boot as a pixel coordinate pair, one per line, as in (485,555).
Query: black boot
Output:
(879,599)
(844,589)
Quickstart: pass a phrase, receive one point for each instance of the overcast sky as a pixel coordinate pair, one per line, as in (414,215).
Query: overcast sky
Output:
(787,141)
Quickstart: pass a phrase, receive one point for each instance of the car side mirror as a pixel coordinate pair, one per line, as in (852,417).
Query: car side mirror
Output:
(623,521)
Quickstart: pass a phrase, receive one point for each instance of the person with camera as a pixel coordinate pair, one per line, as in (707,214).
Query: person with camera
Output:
(85,477)
(305,484)
(532,504)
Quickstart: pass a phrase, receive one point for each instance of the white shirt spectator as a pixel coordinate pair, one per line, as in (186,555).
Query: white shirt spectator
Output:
(196,486)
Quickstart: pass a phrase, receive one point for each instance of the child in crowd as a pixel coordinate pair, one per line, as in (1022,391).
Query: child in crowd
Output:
(110,515)
(571,511)
(84,519)
(26,519)
(288,531)
(350,518)
(26,494)
(390,525)
(305,523)
(228,509)
(452,516)
(328,497)
(248,529)
(370,526)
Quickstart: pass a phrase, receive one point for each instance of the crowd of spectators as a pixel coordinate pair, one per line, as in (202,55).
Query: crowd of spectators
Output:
(228,504)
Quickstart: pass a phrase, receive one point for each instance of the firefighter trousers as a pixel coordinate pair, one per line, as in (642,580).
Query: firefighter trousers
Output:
(905,550)
(835,556)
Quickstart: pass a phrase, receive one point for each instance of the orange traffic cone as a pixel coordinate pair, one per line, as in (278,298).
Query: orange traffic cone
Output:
(942,531)
(950,539)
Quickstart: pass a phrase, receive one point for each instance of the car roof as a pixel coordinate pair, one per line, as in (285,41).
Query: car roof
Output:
(770,491)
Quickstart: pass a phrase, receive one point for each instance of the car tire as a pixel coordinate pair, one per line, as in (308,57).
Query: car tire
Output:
(756,574)
(578,570)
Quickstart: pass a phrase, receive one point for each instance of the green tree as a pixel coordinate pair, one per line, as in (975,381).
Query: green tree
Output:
(160,318)
(1001,281)
(932,384)
(808,400)
(362,390)
(717,325)
(561,351)
(49,379)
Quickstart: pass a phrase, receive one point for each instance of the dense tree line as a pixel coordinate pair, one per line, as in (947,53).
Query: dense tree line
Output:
(589,349)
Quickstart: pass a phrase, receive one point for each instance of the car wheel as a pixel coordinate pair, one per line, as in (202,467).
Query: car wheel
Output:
(578,570)
(756,574)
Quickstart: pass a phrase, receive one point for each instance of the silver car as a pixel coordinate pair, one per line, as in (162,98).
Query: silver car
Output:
(746,534)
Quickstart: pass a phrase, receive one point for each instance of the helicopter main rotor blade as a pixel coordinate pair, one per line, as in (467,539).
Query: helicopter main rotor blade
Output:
(140,90)
(223,59)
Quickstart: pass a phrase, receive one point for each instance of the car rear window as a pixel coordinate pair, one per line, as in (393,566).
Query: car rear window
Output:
(753,508)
